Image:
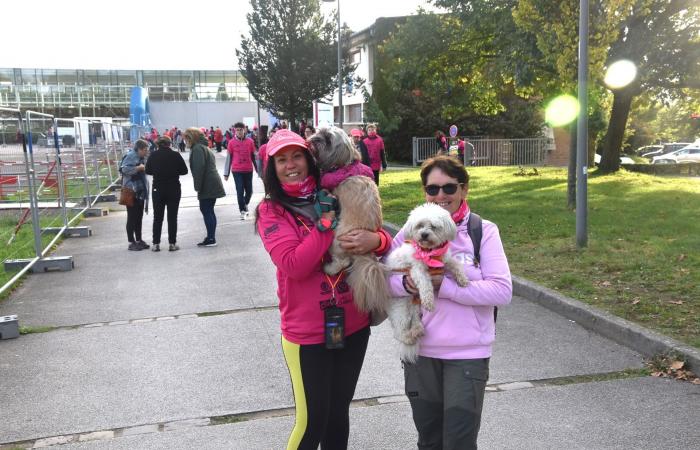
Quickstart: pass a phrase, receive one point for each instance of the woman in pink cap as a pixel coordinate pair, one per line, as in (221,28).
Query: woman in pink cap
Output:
(324,336)
(357,135)
(375,149)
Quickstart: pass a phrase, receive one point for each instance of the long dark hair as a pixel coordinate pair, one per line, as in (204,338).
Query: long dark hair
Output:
(273,187)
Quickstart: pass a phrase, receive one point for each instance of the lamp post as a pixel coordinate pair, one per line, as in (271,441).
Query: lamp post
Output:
(582,131)
(340,65)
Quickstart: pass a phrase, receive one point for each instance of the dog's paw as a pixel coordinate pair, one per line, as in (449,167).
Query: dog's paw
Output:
(416,332)
(428,302)
(461,279)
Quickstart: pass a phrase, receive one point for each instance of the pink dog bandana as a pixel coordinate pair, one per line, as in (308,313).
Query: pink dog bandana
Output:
(431,257)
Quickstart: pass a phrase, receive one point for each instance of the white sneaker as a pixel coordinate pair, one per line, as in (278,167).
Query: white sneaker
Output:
(243,215)
(247,214)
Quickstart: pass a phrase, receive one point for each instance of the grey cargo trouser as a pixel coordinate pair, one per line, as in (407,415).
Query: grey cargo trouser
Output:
(446,397)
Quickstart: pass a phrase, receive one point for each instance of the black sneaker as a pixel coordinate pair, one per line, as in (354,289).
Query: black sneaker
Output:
(135,247)
(155,248)
(207,243)
(143,245)
(173,248)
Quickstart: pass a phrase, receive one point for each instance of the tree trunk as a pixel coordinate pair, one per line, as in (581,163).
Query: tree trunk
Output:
(571,179)
(610,159)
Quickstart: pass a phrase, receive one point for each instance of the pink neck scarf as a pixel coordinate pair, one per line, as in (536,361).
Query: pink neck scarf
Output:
(302,189)
(461,212)
(431,257)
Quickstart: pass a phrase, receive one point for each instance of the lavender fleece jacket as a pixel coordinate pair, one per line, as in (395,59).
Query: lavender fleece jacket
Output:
(462,324)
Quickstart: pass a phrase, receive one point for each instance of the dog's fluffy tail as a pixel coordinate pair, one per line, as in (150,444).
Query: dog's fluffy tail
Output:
(408,352)
(367,276)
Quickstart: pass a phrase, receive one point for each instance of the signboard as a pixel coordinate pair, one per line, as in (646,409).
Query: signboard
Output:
(323,114)
(453,131)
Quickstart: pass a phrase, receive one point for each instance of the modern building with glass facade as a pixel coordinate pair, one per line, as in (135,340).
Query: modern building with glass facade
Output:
(106,93)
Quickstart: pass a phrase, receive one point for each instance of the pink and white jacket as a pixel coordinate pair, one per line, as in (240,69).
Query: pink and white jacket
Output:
(303,288)
(462,324)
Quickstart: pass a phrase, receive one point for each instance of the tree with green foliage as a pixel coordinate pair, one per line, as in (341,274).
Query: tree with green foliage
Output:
(290,58)
(433,72)
(662,38)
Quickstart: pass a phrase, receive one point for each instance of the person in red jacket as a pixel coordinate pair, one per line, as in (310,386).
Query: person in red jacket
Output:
(324,354)
(218,139)
(375,149)
(241,161)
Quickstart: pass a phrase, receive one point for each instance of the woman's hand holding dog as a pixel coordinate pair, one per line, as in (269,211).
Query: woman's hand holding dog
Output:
(411,288)
(359,242)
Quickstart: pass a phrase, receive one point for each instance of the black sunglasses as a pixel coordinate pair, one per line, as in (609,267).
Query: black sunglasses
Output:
(449,188)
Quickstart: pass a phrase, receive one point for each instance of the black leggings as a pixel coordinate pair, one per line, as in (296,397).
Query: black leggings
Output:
(161,198)
(134,217)
(324,383)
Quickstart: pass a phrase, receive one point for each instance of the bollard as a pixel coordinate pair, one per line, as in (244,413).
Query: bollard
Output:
(9,327)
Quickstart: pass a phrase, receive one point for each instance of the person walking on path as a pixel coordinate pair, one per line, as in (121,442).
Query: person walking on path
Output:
(133,177)
(375,149)
(241,161)
(446,385)
(324,358)
(207,182)
(166,166)
(218,139)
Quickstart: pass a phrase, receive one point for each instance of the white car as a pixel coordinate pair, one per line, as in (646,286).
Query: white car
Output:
(688,154)
(623,160)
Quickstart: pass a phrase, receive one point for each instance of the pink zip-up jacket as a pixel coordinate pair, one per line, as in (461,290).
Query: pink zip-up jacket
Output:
(375,148)
(462,324)
(303,289)
(240,155)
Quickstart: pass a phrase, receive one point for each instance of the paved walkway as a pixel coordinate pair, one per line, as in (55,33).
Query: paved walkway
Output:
(181,350)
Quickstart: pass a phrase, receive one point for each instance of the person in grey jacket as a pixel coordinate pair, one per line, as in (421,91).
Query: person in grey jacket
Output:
(134,177)
(207,181)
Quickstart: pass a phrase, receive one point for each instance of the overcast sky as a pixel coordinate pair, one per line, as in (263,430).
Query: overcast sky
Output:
(147,34)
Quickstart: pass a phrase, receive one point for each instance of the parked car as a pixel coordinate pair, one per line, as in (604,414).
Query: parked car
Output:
(648,149)
(666,148)
(688,154)
(623,160)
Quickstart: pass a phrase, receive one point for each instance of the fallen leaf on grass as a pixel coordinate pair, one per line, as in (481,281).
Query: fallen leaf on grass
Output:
(606,283)
(681,257)
(635,301)
(658,374)
(676,365)
(696,381)
(676,302)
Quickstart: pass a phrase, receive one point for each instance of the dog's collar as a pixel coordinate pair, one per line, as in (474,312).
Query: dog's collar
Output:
(431,257)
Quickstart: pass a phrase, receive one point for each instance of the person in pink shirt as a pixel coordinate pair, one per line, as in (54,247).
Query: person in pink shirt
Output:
(446,384)
(375,150)
(241,161)
(324,335)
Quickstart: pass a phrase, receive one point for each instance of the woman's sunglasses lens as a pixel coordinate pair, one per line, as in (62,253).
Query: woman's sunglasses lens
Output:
(433,189)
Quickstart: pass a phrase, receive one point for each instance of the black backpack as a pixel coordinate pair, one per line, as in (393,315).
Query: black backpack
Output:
(475,232)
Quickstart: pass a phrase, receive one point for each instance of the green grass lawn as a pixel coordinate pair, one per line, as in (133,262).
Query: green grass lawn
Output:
(23,245)
(642,262)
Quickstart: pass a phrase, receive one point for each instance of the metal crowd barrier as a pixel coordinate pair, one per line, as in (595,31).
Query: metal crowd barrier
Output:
(489,152)
(52,173)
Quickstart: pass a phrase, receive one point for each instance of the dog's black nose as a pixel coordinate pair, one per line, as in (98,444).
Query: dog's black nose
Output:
(424,235)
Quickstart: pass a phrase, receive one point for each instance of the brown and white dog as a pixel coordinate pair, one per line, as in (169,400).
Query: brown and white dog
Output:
(360,208)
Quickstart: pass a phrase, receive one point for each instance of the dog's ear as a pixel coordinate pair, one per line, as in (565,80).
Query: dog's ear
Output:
(449,226)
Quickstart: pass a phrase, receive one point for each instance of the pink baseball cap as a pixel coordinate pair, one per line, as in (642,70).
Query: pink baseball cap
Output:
(356,132)
(284,138)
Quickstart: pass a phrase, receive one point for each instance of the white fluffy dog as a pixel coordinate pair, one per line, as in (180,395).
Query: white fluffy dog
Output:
(428,232)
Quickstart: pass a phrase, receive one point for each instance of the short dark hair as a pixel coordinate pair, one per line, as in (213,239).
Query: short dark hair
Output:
(451,166)
(141,143)
(238,125)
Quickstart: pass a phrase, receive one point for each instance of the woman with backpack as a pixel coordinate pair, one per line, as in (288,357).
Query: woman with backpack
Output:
(133,168)
(446,385)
